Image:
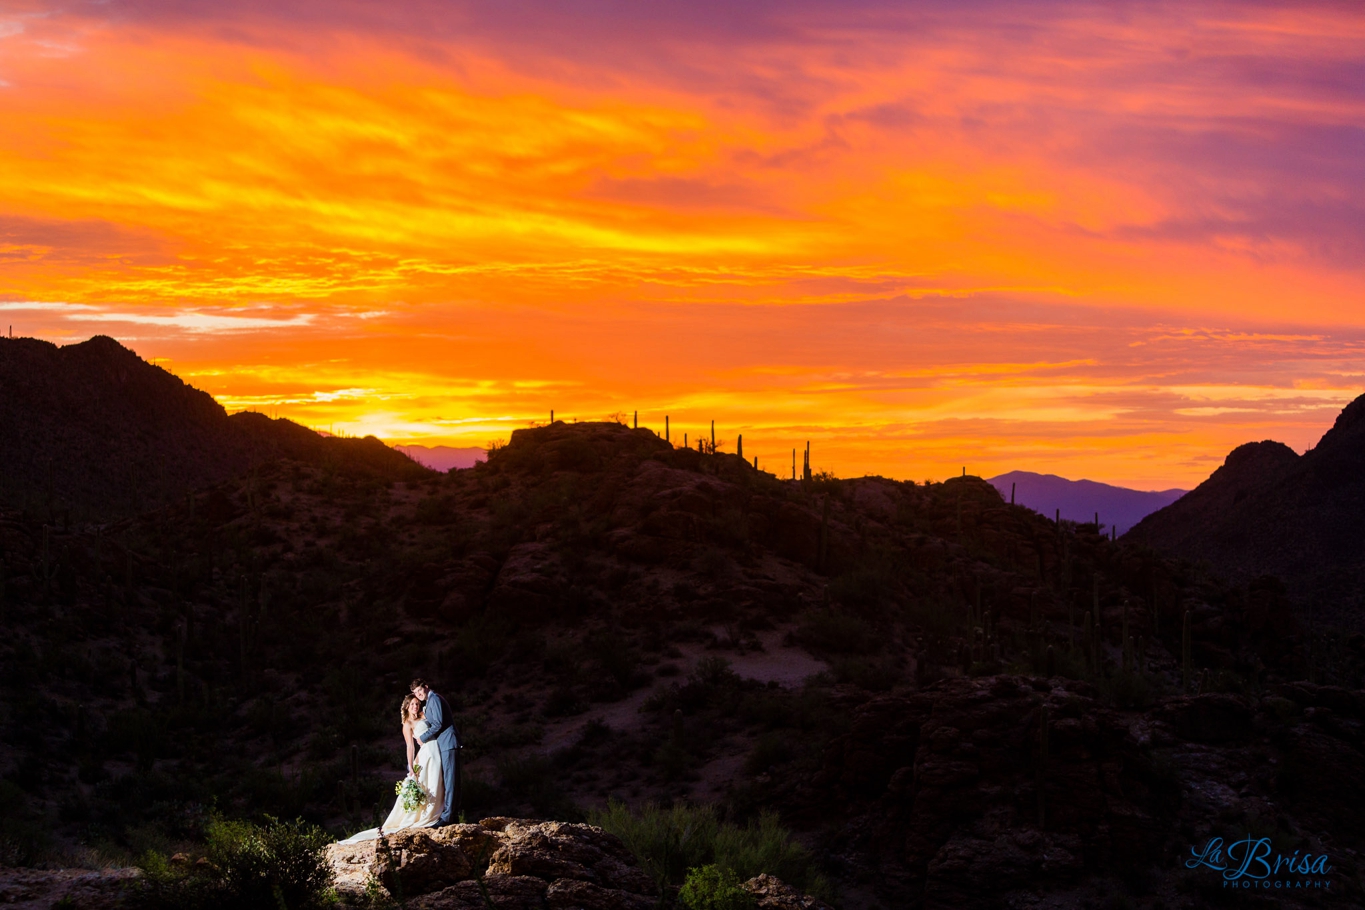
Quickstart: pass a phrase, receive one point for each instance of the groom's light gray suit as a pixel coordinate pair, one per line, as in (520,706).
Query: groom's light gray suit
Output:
(441,727)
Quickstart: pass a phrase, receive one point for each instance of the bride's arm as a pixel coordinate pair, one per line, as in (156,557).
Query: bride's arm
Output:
(407,738)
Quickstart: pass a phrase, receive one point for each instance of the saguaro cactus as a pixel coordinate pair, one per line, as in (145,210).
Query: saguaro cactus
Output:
(739,445)
(824,533)
(1070,622)
(1043,755)
(1012,493)
(1127,648)
(180,665)
(1090,642)
(668,435)
(1185,654)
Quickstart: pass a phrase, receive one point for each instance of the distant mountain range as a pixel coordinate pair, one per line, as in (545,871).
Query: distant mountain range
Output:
(91,430)
(1269,511)
(1081,500)
(444,458)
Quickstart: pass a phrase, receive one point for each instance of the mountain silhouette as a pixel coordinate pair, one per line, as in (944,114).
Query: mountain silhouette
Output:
(1268,511)
(444,458)
(91,430)
(1081,500)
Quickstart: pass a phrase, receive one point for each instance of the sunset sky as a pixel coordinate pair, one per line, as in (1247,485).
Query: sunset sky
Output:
(1100,240)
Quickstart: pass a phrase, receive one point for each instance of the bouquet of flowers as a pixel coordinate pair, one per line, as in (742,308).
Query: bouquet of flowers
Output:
(410,791)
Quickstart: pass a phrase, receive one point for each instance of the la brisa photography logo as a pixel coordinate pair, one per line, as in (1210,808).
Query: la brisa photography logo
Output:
(1253,863)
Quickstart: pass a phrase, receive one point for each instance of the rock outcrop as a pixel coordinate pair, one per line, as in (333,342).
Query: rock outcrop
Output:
(517,862)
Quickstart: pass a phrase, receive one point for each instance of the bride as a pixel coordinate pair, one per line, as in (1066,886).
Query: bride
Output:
(424,766)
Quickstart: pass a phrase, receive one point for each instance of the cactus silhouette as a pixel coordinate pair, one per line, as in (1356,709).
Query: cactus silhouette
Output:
(1185,654)
(1127,648)
(824,534)
(1043,756)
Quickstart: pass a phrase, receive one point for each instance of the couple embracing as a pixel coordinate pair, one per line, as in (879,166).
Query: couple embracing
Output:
(433,763)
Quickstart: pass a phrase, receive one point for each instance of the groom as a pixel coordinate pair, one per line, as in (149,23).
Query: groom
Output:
(441,727)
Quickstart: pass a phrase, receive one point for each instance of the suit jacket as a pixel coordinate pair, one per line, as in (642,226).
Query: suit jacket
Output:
(440,724)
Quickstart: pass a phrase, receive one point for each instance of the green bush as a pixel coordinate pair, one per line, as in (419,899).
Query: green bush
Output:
(278,865)
(714,888)
(767,847)
(667,842)
(670,843)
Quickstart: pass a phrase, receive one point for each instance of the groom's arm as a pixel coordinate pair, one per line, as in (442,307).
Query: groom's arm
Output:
(436,718)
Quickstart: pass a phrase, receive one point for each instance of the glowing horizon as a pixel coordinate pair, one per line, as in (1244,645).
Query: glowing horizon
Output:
(1107,243)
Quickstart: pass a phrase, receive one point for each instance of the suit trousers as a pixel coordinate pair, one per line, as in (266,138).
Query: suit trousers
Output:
(450,772)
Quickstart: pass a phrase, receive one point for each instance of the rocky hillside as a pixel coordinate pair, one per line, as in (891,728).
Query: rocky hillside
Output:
(91,430)
(1269,511)
(955,701)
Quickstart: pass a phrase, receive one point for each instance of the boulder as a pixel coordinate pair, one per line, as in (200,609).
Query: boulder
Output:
(575,895)
(521,862)
(421,860)
(558,850)
(774,894)
(505,892)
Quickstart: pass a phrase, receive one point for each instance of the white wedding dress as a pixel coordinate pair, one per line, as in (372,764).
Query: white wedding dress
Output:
(426,815)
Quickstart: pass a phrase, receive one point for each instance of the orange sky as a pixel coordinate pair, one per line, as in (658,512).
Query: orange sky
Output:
(1110,245)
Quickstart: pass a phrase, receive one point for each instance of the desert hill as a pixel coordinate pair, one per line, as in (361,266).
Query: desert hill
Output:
(91,430)
(1269,511)
(616,617)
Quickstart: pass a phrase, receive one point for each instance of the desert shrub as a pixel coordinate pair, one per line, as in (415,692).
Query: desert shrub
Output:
(438,510)
(535,780)
(23,839)
(771,749)
(714,671)
(936,618)
(617,658)
(511,736)
(869,674)
(714,888)
(1127,689)
(278,864)
(667,842)
(767,847)
(670,843)
(477,795)
(830,631)
(865,589)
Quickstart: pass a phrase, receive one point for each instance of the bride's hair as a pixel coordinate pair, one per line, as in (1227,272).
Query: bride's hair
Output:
(407,704)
